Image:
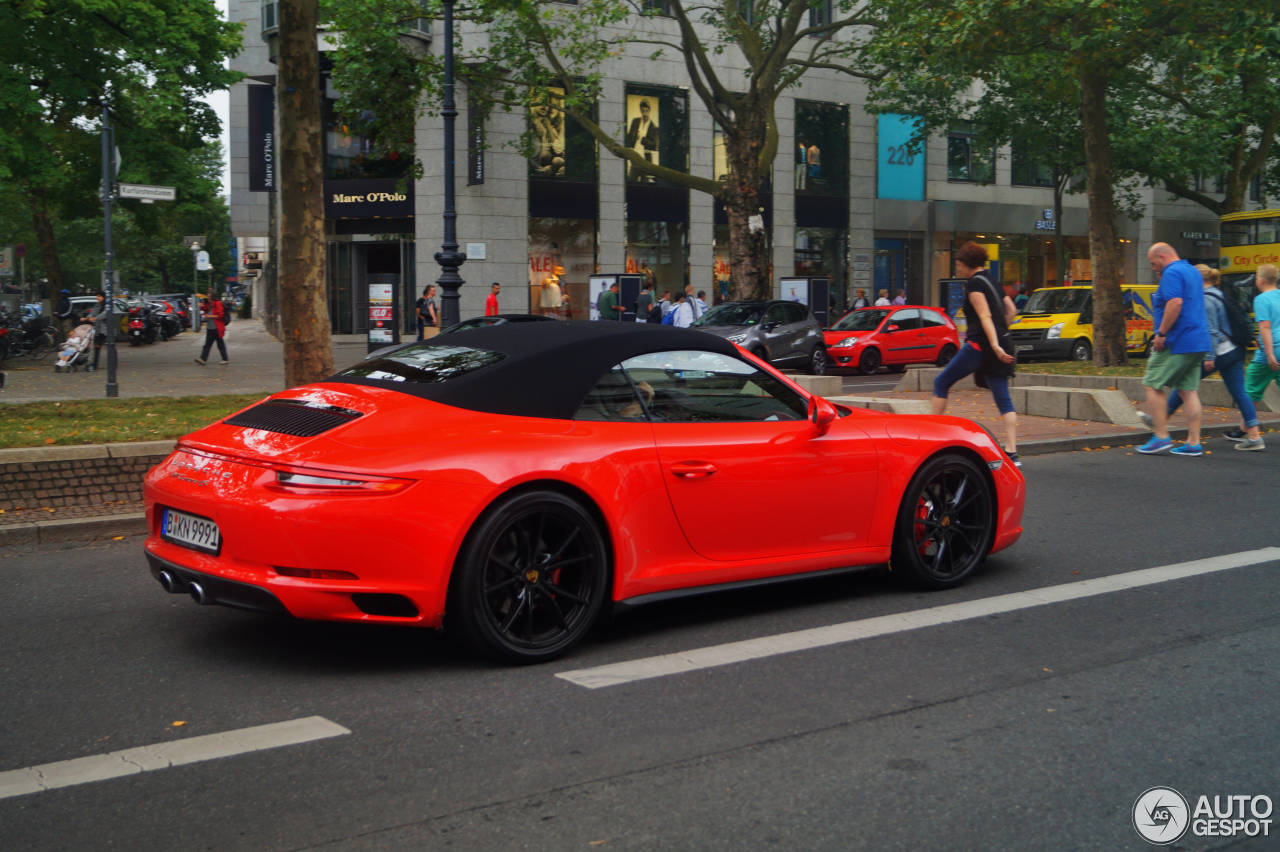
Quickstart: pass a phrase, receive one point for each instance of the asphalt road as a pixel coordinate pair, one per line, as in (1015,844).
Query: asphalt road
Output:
(1030,728)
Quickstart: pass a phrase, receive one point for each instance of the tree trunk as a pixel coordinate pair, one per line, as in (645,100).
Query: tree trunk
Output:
(749,264)
(1059,242)
(304,310)
(48,243)
(1108,308)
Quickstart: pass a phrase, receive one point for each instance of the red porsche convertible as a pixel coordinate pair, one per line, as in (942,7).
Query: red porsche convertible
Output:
(508,483)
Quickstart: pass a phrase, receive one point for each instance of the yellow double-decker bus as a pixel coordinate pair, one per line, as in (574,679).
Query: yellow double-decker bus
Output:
(1249,240)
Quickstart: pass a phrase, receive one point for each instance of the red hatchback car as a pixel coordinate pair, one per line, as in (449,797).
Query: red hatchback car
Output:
(869,338)
(509,483)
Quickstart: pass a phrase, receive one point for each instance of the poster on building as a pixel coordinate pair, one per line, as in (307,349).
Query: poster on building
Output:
(546,117)
(643,133)
(900,168)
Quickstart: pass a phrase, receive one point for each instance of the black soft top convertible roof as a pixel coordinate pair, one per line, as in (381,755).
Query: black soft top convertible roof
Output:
(546,367)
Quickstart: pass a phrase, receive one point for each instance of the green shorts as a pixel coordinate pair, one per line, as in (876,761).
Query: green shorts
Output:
(1257,377)
(1167,370)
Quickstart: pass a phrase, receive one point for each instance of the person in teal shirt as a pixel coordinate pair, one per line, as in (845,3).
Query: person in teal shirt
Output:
(1265,366)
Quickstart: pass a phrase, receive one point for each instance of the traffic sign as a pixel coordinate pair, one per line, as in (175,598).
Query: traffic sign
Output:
(147,193)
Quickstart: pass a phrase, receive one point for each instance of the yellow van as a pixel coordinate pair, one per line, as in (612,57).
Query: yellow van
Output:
(1057,322)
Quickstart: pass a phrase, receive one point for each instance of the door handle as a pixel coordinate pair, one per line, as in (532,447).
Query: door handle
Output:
(692,469)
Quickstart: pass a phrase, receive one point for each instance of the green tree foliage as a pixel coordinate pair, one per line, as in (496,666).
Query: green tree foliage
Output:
(150,61)
(1125,60)
(739,56)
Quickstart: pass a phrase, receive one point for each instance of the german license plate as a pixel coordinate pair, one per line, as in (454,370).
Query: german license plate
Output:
(1025,347)
(191,531)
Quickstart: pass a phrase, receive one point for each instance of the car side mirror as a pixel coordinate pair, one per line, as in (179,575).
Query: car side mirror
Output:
(821,414)
(893,327)
(770,326)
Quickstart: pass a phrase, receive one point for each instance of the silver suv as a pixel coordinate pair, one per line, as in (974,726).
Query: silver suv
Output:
(785,334)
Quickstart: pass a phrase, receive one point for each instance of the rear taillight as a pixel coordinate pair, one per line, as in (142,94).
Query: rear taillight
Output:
(299,482)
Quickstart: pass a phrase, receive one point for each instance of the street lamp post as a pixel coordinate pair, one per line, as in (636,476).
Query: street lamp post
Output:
(108,275)
(449,257)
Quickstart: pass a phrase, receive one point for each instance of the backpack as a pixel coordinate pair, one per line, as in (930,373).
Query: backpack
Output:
(226,314)
(1239,329)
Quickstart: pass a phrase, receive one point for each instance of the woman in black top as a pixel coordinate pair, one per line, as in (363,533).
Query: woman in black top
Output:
(986,351)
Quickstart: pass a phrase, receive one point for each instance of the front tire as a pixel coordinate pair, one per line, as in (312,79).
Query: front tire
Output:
(946,523)
(1081,350)
(531,579)
(869,362)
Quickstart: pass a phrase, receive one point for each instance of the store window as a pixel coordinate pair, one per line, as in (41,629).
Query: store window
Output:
(562,209)
(967,160)
(562,258)
(822,149)
(660,252)
(820,252)
(657,226)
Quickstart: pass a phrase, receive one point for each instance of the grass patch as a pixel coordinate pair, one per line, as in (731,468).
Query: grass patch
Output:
(106,421)
(1135,367)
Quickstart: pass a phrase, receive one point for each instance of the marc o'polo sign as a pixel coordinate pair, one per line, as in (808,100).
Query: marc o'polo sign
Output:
(262,139)
(385,198)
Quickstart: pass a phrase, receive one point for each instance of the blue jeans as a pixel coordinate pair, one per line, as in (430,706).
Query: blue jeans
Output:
(969,360)
(1231,367)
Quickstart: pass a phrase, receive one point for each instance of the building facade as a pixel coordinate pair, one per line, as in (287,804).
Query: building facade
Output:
(848,199)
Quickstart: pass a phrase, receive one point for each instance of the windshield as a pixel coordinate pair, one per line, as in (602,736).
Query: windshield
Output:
(868,319)
(1057,300)
(732,314)
(421,363)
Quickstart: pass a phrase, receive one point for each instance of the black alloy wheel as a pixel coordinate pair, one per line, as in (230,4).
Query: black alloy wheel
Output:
(1081,351)
(531,579)
(945,355)
(946,523)
(818,361)
(869,362)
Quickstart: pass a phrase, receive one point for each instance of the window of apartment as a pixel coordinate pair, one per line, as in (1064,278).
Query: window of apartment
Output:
(967,160)
(820,13)
(657,7)
(1255,188)
(349,155)
(1028,172)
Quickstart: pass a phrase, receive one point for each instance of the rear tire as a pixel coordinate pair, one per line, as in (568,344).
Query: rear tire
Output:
(869,362)
(531,579)
(946,523)
(818,361)
(945,355)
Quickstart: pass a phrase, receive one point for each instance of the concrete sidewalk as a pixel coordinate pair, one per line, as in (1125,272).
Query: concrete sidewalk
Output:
(256,366)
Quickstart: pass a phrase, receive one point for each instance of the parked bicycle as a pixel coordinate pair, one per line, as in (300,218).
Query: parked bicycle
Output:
(32,337)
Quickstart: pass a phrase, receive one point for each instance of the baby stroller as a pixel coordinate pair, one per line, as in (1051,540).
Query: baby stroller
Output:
(75,349)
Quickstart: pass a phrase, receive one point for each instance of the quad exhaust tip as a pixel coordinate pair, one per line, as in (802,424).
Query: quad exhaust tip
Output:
(171,583)
(198,593)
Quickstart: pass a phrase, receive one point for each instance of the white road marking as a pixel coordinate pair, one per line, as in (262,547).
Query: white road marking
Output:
(100,767)
(615,674)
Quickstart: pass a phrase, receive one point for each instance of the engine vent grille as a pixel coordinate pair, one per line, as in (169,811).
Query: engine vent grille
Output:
(292,417)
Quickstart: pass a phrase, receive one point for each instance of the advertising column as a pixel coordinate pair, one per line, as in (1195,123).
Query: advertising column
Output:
(383,327)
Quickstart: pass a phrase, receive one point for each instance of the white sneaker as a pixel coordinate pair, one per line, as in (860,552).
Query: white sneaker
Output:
(1251,445)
